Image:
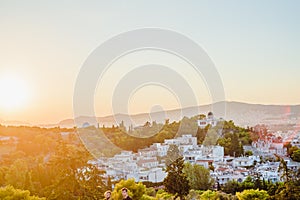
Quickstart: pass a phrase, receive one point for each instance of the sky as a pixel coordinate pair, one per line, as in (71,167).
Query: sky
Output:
(254,45)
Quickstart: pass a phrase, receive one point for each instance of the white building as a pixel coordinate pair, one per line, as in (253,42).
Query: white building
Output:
(124,156)
(193,154)
(153,175)
(269,147)
(148,163)
(204,162)
(183,140)
(243,162)
(213,152)
(210,119)
(160,149)
(296,140)
(223,179)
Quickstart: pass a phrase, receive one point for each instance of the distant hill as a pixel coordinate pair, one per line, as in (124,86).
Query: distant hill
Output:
(14,123)
(243,114)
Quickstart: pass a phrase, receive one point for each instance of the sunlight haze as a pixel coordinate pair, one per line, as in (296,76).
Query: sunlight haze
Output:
(253,44)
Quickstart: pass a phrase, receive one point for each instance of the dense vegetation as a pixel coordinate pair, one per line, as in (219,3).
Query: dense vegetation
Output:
(48,165)
(38,162)
(226,134)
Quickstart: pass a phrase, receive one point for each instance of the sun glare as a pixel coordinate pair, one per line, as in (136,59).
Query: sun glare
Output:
(14,92)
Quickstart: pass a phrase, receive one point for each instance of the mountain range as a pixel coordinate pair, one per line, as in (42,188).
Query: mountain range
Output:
(243,114)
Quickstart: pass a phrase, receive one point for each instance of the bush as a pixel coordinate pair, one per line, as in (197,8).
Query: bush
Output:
(10,193)
(252,195)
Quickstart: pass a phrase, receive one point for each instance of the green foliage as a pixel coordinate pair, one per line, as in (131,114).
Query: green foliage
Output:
(201,134)
(194,194)
(135,190)
(232,145)
(198,176)
(146,197)
(51,166)
(16,174)
(188,125)
(224,196)
(176,181)
(287,174)
(296,155)
(147,135)
(73,178)
(211,137)
(209,195)
(10,193)
(231,187)
(162,195)
(150,191)
(46,164)
(249,183)
(230,136)
(289,190)
(172,154)
(248,153)
(233,138)
(252,195)
(146,131)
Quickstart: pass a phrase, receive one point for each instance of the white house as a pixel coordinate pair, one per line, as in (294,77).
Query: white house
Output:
(148,163)
(183,140)
(160,149)
(153,175)
(243,161)
(214,152)
(124,156)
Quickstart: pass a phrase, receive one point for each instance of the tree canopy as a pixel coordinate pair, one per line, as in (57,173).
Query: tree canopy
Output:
(176,181)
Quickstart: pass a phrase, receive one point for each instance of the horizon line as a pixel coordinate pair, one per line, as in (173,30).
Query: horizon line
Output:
(141,113)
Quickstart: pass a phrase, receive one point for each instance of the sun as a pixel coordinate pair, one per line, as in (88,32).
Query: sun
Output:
(14,92)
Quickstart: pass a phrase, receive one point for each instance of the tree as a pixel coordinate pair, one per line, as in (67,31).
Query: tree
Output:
(16,174)
(296,155)
(172,154)
(176,181)
(232,187)
(198,176)
(211,137)
(209,195)
(109,183)
(248,183)
(226,143)
(10,193)
(232,145)
(161,194)
(289,190)
(249,153)
(252,195)
(72,177)
(286,172)
(135,190)
(201,134)
(236,148)
(287,146)
(291,186)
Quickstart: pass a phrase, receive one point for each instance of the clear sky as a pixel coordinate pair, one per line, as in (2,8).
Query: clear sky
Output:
(255,46)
